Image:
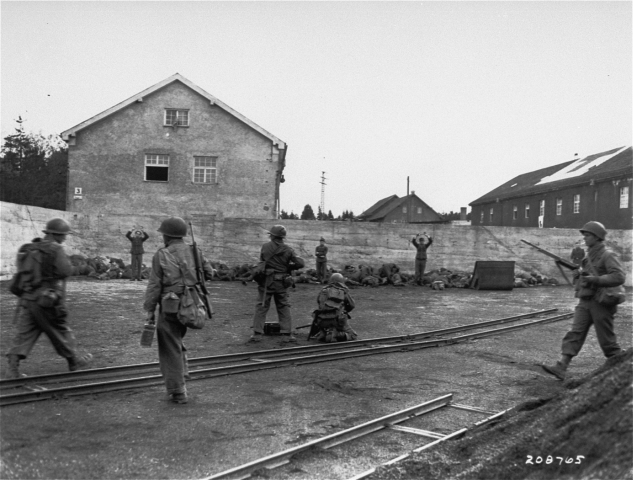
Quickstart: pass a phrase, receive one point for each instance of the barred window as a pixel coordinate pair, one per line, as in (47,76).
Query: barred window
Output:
(527,210)
(541,208)
(559,206)
(492,212)
(157,168)
(576,203)
(174,117)
(515,212)
(205,169)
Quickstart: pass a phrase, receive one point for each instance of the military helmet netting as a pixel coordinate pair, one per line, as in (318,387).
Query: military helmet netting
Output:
(337,277)
(278,231)
(58,226)
(173,227)
(596,228)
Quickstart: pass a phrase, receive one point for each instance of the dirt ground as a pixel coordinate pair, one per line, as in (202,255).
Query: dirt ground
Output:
(236,419)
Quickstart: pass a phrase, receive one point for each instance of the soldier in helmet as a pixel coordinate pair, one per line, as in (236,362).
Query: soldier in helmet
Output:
(277,262)
(173,266)
(600,268)
(40,283)
(330,322)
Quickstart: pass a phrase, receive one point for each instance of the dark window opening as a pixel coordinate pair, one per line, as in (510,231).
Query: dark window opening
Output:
(157,174)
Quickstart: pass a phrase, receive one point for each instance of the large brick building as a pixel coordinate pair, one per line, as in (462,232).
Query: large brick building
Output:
(566,195)
(174,149)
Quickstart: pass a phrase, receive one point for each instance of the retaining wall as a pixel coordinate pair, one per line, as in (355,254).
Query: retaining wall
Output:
(238,240)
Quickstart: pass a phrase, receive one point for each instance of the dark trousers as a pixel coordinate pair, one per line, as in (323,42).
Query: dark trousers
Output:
(590,312)
(137,264)
(321,270)
(280,294)
(171,352)
(34,320)
(420,265)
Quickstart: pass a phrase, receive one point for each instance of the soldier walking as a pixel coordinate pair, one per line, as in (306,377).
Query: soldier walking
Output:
(137,251)
(277,261)
(321,260)
(600,268)
(173,267)
(40,283)
(421,244)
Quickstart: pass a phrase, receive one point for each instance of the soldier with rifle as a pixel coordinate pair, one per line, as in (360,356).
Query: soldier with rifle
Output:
(599,270)
(174,267)
(277,260)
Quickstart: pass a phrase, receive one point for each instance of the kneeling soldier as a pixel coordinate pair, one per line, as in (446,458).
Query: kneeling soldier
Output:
(330,322)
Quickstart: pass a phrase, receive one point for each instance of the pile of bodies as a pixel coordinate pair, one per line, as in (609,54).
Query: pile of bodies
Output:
(104,268)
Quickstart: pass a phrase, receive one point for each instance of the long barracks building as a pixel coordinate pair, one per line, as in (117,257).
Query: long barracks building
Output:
(567,195)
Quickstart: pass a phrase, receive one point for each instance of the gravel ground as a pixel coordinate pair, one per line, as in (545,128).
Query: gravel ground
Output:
(236,419)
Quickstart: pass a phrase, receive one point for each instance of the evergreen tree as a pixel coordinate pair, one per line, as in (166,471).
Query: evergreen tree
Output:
(329,215)
(33,169)
(308,213)
(283,215)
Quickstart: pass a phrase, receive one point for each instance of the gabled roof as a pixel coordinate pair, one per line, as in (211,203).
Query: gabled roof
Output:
(382,208)
(599,166)
(174,78)
(371,210)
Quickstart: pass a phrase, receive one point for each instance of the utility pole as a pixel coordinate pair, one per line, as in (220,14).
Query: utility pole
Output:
(322,195)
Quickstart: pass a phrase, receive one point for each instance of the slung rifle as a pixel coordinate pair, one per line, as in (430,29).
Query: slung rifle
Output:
(200,275)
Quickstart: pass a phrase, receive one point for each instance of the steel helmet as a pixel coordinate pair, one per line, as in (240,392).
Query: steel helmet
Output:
(337,278)
(278,231)
(596,228)
(58,226)
(173,227)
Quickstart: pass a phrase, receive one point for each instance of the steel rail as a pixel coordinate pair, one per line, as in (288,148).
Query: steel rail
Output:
(329,441)
(253,356)
(44,394)
(450,436)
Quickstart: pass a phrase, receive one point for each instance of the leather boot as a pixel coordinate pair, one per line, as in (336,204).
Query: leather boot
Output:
(75,363)
(14,366)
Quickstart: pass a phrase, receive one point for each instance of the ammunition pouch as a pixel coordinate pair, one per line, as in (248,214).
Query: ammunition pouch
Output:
(170,303)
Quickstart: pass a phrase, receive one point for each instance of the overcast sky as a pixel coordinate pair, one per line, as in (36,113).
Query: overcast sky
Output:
(458,96)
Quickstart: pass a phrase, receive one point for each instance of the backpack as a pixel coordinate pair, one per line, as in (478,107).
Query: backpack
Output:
(331,305)
(192,312)
(28,276)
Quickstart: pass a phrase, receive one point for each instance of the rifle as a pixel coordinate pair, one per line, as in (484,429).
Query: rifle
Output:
(559,261)
(200,275)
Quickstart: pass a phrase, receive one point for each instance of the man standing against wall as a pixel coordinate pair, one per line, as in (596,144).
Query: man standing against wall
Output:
(137,251)
(321,261)
(41,285)
(421,243)
(277,261)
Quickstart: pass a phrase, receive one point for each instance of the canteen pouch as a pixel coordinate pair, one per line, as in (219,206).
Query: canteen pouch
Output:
(170,303)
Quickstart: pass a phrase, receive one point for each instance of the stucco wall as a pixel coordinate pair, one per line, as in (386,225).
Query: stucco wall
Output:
(107,161)
(238,240)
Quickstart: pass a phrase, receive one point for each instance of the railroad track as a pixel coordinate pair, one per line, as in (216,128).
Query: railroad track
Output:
(390,422)
(43,387)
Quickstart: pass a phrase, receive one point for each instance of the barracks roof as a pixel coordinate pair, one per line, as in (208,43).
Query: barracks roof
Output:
(174,78)
(599,166)
(381,208)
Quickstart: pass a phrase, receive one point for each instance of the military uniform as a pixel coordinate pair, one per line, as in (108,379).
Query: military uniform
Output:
(173,266)
(420,258)
(37,315)
(332,325)
(137,252)
(321,262)
(278,260)
(601,268)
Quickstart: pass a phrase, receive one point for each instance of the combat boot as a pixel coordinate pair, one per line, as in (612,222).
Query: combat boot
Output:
(76,363)
(14,366)
(559,370)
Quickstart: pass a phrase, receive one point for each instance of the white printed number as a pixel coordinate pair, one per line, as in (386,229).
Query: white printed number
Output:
(549,459)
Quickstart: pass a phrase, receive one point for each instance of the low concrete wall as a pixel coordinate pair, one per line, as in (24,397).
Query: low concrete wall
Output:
(238,240)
